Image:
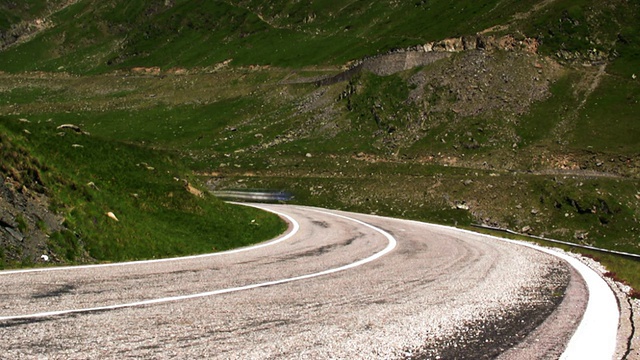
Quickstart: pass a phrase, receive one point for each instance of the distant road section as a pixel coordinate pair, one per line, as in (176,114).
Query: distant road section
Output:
(254,195)
(338,285)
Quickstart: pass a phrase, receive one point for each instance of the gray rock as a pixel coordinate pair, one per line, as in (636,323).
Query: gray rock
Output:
(16,234)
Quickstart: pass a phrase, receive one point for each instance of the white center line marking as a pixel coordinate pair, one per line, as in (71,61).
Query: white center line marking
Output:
(287,236)
(390,246)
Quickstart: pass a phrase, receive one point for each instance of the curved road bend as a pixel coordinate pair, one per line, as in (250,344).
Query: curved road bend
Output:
(437,292)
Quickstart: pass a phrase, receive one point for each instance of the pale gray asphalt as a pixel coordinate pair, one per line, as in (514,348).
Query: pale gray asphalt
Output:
(428,290)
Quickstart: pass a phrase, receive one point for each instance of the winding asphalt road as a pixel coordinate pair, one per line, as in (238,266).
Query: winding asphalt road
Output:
(337,285)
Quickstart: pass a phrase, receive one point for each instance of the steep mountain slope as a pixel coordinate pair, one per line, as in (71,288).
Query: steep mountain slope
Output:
(91,35)
(21,20)
(521,114)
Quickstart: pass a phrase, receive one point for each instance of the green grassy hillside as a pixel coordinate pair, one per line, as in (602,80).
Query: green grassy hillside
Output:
(92,35)
(540,138)
(83,178)
(13,12)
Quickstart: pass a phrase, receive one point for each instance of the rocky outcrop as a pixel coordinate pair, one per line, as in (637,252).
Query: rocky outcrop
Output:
(25,224)
(22,32)
(27,29)
(153,71)
(420,55)
(386,65)
(400,61)
(30,232)
(482,42)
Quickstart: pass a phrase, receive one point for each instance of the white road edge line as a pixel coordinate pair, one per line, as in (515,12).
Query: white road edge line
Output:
(390,246)
(278,240)
(596,335)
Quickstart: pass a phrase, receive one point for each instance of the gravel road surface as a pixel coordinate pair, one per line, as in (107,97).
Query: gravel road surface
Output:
(437,293)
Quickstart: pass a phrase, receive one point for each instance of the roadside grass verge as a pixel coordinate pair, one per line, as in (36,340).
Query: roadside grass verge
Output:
(87,177)
(601,212)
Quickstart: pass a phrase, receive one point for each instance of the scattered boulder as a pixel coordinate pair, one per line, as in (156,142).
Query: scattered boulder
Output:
(25,222)
(15,233)
(581,235)
(192,190)
(222,65)
(153,71)
(507,42)
(112,216)
(92,185)
(146,166)
(73,127)
(462,206)
(177,71)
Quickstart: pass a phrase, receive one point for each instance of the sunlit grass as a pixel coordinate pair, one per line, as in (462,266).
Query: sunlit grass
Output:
(87,177)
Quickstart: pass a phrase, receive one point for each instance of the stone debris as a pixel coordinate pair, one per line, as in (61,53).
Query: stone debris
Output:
(92,185)
(462,206)
(73,127)
(192,190)
(581,235)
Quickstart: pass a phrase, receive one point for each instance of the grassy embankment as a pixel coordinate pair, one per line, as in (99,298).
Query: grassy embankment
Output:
(86,177)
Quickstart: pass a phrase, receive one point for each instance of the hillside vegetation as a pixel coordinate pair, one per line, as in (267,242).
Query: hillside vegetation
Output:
(517,114)
(77,198)
(92,35)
